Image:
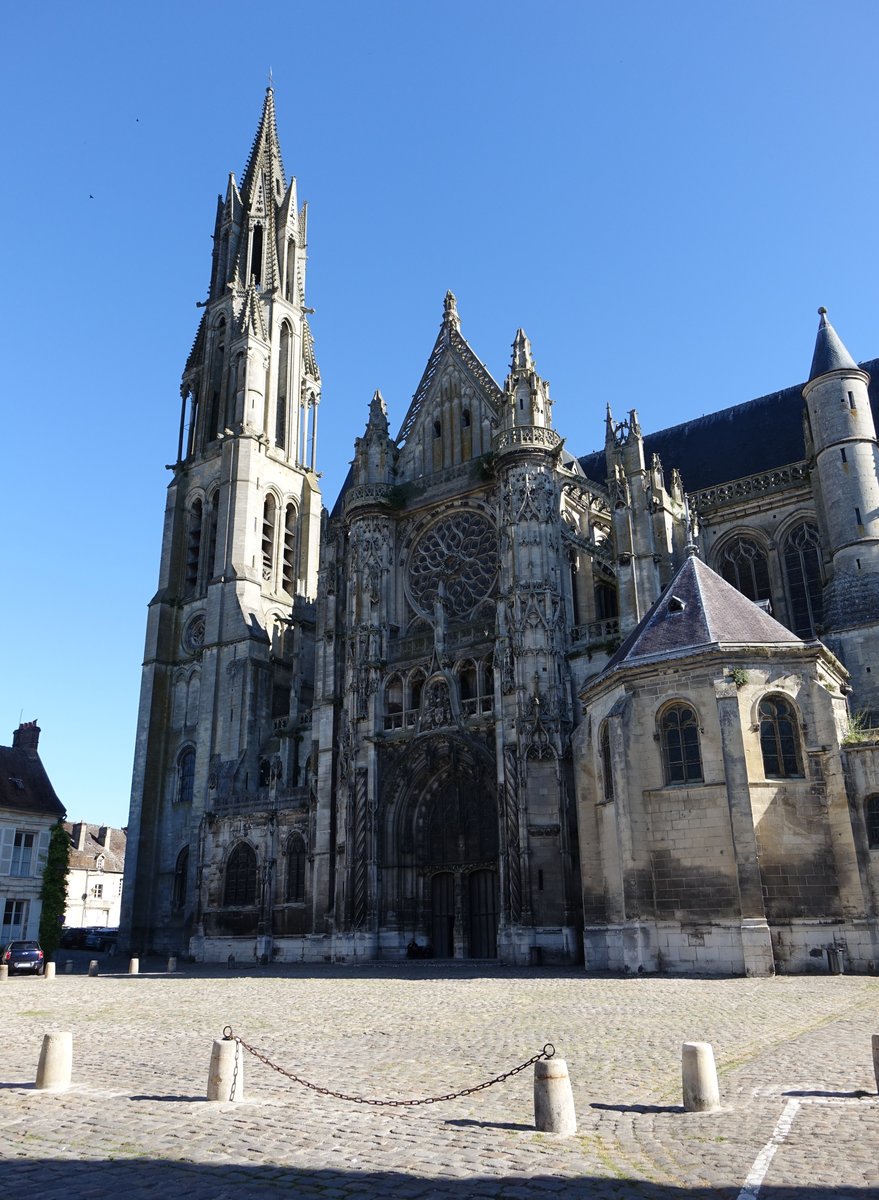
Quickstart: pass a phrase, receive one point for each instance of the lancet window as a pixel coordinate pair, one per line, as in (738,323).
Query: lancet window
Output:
(240,887)
(802,568)
(679,741)
(780,738)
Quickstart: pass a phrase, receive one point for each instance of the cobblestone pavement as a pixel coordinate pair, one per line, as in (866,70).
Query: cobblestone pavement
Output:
(135,1121)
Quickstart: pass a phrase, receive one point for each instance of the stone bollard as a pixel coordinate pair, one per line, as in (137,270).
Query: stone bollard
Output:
(553,1098)
(226,1072)
(49,970)
(133,966)
(68,966)
(56,1062)
(4,972)
(93,967)
(699,1076)
(172,963)
(876,1058)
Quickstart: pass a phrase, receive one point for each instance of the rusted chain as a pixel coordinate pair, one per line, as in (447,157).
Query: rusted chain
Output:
(547,1052)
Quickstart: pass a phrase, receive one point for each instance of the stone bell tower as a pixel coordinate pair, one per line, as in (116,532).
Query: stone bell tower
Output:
(226,687)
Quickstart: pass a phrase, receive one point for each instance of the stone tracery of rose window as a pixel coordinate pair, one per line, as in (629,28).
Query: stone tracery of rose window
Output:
(459,551)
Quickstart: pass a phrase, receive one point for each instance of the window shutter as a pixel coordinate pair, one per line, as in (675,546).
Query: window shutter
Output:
(42,851)
(7,839)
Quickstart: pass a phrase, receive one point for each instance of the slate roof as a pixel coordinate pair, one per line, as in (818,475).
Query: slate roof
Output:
(24,784)
(698,610)
(743,440)
(830,354)
(85,859)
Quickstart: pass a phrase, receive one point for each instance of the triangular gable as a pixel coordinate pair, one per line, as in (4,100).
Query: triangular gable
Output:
(454,377)
(450,345)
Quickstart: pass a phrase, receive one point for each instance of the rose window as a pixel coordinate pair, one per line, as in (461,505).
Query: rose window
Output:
(457,556)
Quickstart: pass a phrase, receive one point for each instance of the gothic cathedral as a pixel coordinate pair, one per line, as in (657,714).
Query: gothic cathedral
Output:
(501,702)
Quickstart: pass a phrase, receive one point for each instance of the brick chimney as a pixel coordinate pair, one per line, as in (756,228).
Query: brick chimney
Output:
(104,835)
(27,736)
(80,832)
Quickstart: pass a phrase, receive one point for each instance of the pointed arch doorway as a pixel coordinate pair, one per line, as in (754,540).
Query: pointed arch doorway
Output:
(458,849)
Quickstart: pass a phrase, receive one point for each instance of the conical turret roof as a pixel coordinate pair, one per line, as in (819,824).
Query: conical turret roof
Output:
(830,354)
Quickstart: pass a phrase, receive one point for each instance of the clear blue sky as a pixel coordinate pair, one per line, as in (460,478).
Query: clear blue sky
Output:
(661,195)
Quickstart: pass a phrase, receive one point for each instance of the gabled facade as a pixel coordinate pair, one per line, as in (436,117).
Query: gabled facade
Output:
(393,731)
(29,808)
(95,875)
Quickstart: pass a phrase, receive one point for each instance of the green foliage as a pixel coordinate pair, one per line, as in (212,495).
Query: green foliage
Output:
(485,466)
(54,890)
(739,676)
(858,732)
(401,493)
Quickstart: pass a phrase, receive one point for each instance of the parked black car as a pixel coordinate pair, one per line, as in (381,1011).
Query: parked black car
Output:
(101,939)
(24,956)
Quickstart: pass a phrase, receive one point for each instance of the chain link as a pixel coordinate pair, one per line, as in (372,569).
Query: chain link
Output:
(235,1070)
(547,1052)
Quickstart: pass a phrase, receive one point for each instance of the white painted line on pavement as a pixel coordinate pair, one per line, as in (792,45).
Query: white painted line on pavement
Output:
(757,1174)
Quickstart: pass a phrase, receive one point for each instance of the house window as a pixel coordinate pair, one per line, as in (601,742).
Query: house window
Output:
(779,739)
(295,869)
(606,765)
(802,567)
(22,853)
(181,871)
(186,776)
(97,891)
(744,565)
(14,920)
(871,816)
(679,738)
(241,876)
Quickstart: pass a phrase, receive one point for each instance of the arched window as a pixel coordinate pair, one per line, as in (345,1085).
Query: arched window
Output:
(606,765)
(606,606)
(256,255)
(283,380)
(394,703)
(779,738)
(295,869)
(744,564)
(679,738)
(213,523)
(871,816)
(186,776)
(216,384)
(181,871)
(269,510)
(291,269)
(802,568)
(193,546)
(241,876)
(288,582)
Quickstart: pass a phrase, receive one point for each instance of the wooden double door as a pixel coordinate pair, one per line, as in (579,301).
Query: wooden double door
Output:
(464,913)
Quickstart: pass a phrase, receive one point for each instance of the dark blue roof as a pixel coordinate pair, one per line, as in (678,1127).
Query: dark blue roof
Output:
(743,440)
(830,354)
(696,610)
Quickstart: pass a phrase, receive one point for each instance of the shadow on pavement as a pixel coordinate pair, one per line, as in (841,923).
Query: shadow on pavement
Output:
(140,1178)
(640,1108)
